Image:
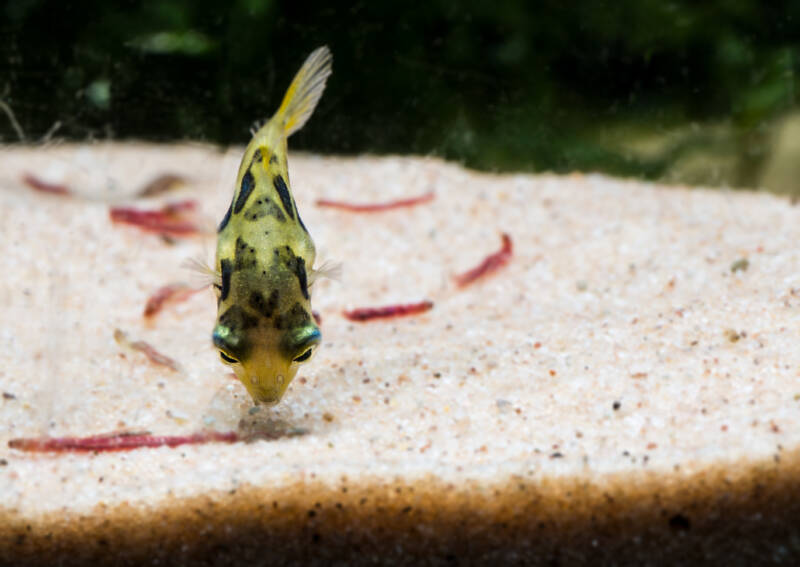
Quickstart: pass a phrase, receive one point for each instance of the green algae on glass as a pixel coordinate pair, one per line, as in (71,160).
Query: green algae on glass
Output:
(185,42)
(99,93)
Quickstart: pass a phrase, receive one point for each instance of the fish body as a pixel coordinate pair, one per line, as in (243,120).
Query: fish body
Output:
(265,255)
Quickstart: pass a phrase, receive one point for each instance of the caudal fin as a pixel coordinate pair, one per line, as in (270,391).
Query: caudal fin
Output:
(305,91)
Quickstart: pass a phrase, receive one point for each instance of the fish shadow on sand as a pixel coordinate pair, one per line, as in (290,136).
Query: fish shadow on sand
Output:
(232,409)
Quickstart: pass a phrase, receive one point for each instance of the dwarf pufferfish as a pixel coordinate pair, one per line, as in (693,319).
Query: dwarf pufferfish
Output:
(265,256)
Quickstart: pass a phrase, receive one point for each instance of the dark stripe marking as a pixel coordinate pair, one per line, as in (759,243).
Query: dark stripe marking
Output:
(283,193)
(300,272)
(225,219)
(265,307)
(273,159)
(257,157)
(303,226)
(226,268)
(248,184)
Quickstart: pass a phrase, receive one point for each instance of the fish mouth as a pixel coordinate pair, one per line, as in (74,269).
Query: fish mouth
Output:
(268,400)
(266,392)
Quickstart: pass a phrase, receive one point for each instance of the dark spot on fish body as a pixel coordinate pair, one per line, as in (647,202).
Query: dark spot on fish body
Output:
(285,256)
(226,269)
(283,193)
(295,317)
(258,157)
(225,219)
(273,159)
(264,307)
(229,334)
(245,255)
(236,319)
(262,208)
(248,184)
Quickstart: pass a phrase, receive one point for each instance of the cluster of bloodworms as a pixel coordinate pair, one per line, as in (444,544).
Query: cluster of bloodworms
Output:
(178,219)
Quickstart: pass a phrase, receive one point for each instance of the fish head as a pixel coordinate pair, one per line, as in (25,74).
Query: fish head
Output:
(265,360)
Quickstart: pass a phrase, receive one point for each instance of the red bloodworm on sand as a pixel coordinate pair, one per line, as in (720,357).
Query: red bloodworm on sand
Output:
(44,186)
(388,311)
(151,353)
(490,264)
(170,219)
(117,442)
(376,207)
(171,293)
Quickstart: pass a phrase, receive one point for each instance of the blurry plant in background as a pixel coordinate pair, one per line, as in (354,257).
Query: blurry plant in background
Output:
(699,93)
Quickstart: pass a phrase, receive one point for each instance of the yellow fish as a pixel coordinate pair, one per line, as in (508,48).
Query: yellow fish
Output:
(265,257)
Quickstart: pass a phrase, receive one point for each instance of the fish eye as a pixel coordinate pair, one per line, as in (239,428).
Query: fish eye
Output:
(305,356)
(227,358)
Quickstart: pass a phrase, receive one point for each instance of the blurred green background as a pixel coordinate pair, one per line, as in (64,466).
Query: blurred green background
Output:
(685,92)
